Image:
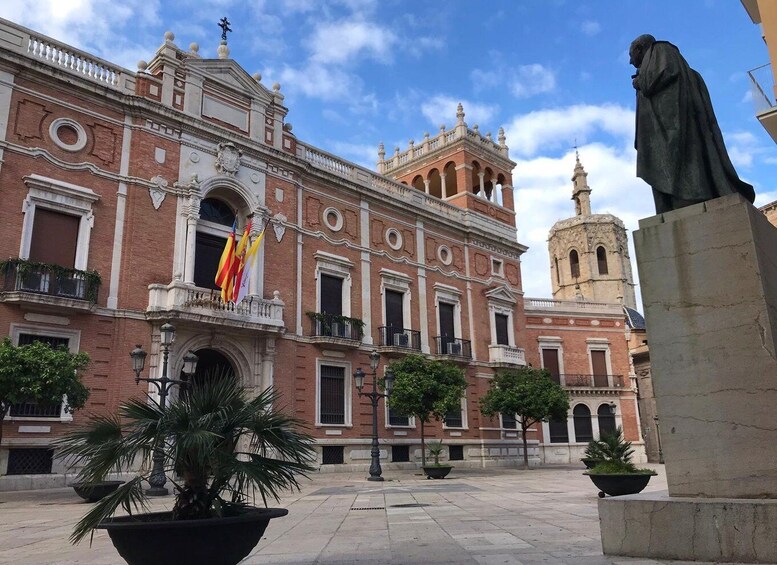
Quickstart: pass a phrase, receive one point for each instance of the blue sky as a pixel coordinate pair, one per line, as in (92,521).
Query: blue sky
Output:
(358,72)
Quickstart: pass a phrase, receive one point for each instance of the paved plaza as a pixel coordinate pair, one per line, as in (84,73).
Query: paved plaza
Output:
(476,516)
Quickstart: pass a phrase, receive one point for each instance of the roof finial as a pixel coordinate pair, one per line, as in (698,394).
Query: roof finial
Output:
(460,112)
(224,25)
(577,155)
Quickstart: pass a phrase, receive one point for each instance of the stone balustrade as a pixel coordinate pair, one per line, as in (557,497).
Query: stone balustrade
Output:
(549,304)
(506,355)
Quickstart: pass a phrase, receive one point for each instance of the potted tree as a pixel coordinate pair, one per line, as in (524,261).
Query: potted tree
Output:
(615,474)
(224,447)
(426,389)
(531,394)
(436,470)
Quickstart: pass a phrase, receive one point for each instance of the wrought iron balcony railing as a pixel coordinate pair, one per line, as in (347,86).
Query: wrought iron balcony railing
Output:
(52,280)
(331,325)
(592,381)
(391,336)
(453,346)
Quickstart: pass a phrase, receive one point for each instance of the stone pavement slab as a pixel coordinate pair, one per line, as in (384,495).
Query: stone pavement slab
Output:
(474,517)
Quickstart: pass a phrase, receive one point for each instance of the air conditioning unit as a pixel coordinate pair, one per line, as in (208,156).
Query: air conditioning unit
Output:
(454,348)
(401,340)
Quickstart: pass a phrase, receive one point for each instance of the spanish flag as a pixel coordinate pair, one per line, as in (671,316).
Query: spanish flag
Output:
(246,269)
(225,273)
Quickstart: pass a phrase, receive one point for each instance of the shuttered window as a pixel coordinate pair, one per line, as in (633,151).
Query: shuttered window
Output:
(550,363)
(332,394)
(54,238)
(501,323)
(599,365)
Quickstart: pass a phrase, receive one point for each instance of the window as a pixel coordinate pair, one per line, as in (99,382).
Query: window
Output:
(32,409)
(497,267)
(217,211)
(601,260)
(559,432)
(574,264)
(400,453)
(396,419)
(599,367)
(331,292)
(332,455)
(606,419)
(333,274)
(213,228)
(30,461)
(551,364)
(454,419)
(558,274)
(54,207)
(455,453)
(501,323)
(583,427)
(331,400)
(509,422)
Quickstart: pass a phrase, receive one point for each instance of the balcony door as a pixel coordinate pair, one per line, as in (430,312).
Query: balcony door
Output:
(447,328)
(599,366)
(331,295)
(550,363)
(54,238)
(501,324)
(395,316)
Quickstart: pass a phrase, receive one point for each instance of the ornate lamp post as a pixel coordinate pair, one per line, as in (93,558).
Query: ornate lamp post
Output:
(163,385)
(374,396)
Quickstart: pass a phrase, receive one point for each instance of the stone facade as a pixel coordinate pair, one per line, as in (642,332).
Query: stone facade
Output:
(147,167)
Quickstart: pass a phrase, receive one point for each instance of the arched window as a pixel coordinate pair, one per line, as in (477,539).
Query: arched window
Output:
(216,220)
(601,260)
(418,183)
(606,419)
(435,183)
(216,211)
(574,264)
(583,428)
(451,182)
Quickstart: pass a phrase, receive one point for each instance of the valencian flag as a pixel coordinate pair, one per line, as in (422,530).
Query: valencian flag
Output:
(225,274)
(243,278)
(239,264)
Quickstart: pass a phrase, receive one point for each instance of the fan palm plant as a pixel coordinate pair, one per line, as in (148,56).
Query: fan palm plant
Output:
(223,446)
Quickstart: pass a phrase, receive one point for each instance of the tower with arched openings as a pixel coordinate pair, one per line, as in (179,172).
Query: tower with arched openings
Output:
(589,253)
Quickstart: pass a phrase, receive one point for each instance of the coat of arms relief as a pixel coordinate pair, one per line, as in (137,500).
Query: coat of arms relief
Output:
(228,158)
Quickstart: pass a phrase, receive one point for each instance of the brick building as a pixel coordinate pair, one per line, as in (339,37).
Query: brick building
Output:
(119,189)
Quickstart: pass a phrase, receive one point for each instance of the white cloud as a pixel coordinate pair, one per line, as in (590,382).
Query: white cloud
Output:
(317,81)
(441,109)
(360,153)
(559,127)
(590,27)
(340,42)
(532,79)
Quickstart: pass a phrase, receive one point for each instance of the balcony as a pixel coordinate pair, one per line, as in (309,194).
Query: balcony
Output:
(399,340)
(51,286)
(762,90)
(335,330)
(501,355)
(593,382)
(189,304)
(453,347)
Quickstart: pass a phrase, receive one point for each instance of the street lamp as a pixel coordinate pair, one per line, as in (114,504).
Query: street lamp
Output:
(658,436)
(163,384)
(374,396)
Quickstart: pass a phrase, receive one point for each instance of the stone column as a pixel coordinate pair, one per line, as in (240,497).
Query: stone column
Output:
(481,176)
(191,247)
(444,189)
(426,185)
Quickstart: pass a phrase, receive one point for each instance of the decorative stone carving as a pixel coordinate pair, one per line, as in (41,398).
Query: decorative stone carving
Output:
(228,158)
(278,226)
(158,191)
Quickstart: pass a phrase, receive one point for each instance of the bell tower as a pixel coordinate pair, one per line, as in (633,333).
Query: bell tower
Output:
(589,253)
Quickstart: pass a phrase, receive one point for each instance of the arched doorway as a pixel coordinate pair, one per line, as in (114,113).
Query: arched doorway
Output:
(211,364)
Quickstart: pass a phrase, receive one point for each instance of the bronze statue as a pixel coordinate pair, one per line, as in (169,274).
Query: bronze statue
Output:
(680,150)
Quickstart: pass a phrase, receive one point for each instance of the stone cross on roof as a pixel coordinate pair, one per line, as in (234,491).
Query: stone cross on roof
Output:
(224,25)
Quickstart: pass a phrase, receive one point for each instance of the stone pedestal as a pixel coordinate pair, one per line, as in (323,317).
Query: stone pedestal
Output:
(708,275)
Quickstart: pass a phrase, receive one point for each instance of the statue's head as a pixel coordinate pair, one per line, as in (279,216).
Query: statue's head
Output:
(638,48)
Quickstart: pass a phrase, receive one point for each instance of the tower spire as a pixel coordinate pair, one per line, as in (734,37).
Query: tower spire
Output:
(581,192)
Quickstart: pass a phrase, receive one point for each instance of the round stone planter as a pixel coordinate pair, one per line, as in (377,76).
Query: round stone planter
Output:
(618,485)
(92,492)
(437,471)
(155,539)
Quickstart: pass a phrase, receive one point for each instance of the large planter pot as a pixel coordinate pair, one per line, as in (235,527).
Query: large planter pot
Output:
(618,485)
(155,539)
(92,492)
(589,462)
(437,471)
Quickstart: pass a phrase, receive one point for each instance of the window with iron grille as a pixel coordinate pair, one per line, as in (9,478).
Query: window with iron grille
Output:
(456,453)
(454,419)
(509,422)
(30,461)
(332,455)
(33,409)
(332,394)
(559,432)
(400,453)
(583,427)
(397,419)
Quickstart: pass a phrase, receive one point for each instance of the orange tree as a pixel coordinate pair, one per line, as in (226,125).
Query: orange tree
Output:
(426,389)
(41,374)
(531,394)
